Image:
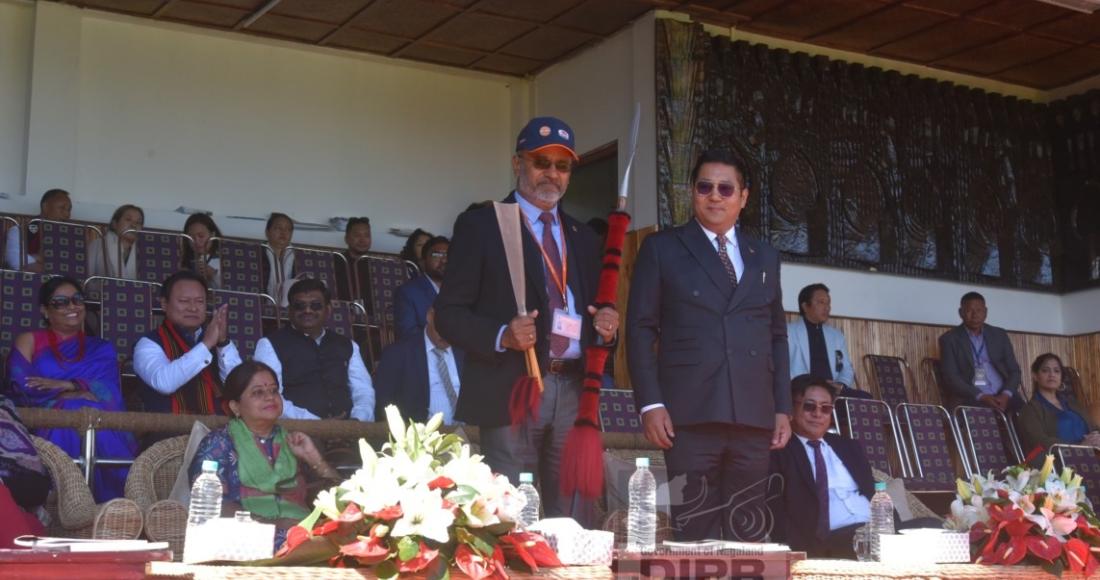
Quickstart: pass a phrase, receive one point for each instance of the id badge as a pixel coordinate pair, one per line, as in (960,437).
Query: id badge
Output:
(979,377)
(566,324)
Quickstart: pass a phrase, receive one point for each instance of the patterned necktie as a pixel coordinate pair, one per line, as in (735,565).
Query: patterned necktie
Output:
(821,479)
(558,344)
(445,376)
(726,262)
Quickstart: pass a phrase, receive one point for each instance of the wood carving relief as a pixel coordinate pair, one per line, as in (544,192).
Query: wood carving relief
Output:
(862,168)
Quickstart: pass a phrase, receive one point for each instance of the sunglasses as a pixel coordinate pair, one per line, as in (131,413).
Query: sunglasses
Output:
(542,164)
(77,299)
(316,306)
(437,255)
(823,408)
(707,187)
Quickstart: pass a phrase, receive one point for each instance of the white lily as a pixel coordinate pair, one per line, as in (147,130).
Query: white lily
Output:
(423,515)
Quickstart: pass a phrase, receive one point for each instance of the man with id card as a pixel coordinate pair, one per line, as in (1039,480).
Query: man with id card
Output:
(978,363)
(476,312)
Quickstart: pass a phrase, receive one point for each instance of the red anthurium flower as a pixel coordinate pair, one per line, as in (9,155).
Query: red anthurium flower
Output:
(531,548)
(367,549)
(441,482)
(1005,513)
(979,532)
(1012,551)
(1019,528)
(421,561)
(1079,557)
(351,514)
(390,513)
(473,564)
(1086,528)
(326,528)
(1047,547)
(295,537)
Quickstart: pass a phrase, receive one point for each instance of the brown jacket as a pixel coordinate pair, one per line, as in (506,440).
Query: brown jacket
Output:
(1038,423)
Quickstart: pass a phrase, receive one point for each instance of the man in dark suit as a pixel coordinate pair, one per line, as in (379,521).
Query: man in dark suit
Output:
(421,375)
(410,305)
(707,348)
(476,311)
(978,364)
(819,515)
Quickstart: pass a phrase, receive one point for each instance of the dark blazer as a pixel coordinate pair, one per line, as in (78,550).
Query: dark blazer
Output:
(719,358)
(402,377)
(476,300)
(1037,422)
(411,304)
(794,504)
(957,362)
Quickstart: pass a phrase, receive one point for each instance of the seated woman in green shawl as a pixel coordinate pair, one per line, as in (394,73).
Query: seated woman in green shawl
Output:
(258,461)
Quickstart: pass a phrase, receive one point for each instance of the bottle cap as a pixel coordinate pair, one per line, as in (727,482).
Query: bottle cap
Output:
(641,462)
(527,477)
(209,465)
(880,486)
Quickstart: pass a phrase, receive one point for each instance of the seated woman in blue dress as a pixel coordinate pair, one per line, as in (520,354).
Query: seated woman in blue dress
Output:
(259,463)
(1052,416)
(64,368)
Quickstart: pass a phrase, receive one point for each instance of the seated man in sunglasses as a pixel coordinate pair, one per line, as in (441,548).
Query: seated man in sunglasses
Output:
(321,374)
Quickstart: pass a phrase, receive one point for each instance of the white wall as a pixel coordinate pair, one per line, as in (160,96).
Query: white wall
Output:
(595,93)
(16,27)
(167,115)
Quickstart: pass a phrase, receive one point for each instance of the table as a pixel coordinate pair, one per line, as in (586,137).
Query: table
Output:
(83,565)
(177,571)
(836,569)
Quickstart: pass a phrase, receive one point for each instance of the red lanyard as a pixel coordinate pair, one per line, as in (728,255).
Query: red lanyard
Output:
(559,281)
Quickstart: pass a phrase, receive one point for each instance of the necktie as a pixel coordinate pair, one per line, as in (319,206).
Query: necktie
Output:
(558,344)
(445,376)
(726,262)
(821,480)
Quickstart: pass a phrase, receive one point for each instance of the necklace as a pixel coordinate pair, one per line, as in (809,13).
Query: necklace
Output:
(55,348)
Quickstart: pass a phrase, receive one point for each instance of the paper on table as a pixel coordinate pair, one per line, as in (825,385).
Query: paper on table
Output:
(746,547)
(84,545)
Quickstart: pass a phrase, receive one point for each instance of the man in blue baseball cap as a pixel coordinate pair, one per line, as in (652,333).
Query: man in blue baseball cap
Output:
(476,311)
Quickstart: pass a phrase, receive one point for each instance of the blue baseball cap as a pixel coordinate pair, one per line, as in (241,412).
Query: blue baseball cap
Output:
(545,132)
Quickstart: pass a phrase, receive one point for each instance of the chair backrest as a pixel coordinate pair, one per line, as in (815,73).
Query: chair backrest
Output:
(319,264)
(932,375)
(154,472)
(19,311)
(345,316)
(987,438)
(931,437)
(241,265)
(159,254)
(64,247)
(888,374)
(387,274)
(1083,460)
(125,313)
(618,413)
(245,317)
(871,424)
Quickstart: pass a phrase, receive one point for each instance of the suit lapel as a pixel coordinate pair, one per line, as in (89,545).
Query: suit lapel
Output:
(802,463)
(751,260)
(576,279)
(692,236)
(532,262)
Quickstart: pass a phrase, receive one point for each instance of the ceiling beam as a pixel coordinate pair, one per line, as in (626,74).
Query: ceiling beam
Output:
(164,6)
(252,18)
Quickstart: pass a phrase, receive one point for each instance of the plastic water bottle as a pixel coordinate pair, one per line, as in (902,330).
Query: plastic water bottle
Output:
(882,519)
(641,525)
(530,514)
(206,496)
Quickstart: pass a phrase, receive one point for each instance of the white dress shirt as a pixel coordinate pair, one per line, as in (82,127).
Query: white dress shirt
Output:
(531,214)
(846,505)
(437,393)
(734,252)
(359,382)
(13,248)
(167,376)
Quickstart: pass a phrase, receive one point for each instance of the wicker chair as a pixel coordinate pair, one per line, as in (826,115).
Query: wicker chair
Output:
(73,511)
(150,483)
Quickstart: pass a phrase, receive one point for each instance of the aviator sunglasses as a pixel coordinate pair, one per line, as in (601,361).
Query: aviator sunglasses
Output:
(705,188)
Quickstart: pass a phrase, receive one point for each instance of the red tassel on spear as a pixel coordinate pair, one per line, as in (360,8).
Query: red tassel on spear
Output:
(582,459)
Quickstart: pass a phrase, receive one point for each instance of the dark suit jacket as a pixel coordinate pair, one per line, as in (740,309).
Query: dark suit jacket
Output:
(794,505)
(719,358)
(476,300)
(402,377)
(411,304)
(957,356)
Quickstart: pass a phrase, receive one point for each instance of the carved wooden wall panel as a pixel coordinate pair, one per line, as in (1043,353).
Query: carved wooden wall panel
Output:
(862,168)
(1075,128)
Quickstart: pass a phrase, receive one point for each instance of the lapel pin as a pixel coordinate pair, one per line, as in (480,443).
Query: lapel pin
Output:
(763,277)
